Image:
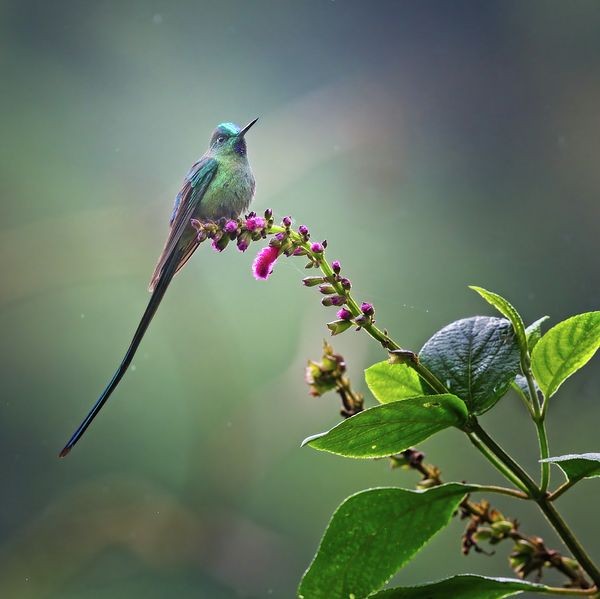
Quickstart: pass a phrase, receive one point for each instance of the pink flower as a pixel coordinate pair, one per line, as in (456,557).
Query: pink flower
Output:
(254,223)
(344,314)
(264,261)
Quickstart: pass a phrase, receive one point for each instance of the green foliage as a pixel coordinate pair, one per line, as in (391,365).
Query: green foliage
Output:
(461,372)
(392,427)
(390,382)
(576,467)
(475,358)
(534,333)
(372,535)
(464,586)
(564,349)
(506,308)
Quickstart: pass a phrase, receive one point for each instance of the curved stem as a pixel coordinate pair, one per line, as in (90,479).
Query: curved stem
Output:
(500,491)
(554,496)
(372,330)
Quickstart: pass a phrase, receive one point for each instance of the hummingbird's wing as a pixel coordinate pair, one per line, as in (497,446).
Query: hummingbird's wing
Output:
(194,187)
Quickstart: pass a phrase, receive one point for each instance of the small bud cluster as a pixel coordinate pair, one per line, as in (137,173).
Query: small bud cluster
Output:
(244,230)
(487,525)
(529,553)
(328,375)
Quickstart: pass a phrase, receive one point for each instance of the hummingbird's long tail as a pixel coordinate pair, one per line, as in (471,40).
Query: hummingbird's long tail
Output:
(159,292)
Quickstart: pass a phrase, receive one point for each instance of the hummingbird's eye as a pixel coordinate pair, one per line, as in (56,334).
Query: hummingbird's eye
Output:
(220,139)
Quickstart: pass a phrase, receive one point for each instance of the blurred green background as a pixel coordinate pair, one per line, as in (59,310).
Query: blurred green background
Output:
(434,144)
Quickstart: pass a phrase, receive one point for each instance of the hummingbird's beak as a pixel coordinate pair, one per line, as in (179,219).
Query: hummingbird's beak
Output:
(245,129)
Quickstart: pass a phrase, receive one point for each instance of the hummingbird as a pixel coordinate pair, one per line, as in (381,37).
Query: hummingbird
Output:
(221,184)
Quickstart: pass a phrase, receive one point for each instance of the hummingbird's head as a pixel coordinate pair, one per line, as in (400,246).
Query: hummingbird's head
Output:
(229,138)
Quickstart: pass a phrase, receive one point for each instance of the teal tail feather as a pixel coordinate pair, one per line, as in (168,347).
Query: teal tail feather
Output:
(159,291)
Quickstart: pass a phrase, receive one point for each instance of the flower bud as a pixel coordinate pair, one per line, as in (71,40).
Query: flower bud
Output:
(367,309)
(523,547)
(426,483)
(338,300)
(361,320)
(501,528)
(287,221)
(335,266)
(255,223)
(312,281)
(327,289)
(230,227)
(220,242)
(345,283)
(483,534)
(317,248)
(344,314)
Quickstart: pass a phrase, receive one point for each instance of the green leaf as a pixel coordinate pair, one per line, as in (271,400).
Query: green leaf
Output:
(390,382)
(463,586)
(392,427)
(475,358)
(372,535)
(508,310)
(564,349)
(338,326)
(578,466)
(534,332)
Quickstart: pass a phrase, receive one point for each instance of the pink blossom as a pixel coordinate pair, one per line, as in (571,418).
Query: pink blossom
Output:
(344,314)
(254,223)
(264,261)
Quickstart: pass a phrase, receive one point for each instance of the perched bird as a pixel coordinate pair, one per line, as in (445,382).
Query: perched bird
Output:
(220,184)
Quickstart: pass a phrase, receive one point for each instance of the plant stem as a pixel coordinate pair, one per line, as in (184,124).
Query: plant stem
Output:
(543,441)
(378,335)
(539,418)
(568,538)
(482,441)
(501,491)
(527,483)
(543,501)
(554,496)
(496,462)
